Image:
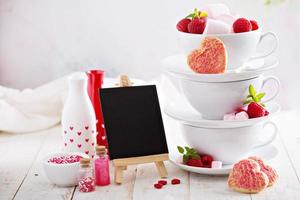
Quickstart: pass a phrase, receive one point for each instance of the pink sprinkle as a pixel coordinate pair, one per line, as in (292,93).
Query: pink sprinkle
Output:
(65,159)
(86,184)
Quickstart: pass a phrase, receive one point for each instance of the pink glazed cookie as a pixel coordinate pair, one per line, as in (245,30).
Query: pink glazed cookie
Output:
(268,170)
(210,58)
(247,177)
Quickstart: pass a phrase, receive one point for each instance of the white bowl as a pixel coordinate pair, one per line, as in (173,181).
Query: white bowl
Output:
(228,145)
(240,46)
(214,100)
(62,174)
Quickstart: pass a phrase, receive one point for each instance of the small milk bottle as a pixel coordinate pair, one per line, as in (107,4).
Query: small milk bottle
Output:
(102,166)
(78,117)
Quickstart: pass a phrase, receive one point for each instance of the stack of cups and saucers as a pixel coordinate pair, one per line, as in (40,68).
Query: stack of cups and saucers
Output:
(226,99)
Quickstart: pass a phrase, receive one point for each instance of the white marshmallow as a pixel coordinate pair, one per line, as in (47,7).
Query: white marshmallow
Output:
(215,10)
(227,19)
(216,164)
(216,27)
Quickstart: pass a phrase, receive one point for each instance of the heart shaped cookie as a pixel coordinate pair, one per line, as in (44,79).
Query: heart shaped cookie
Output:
(210,58)
(268,170)
(247,177)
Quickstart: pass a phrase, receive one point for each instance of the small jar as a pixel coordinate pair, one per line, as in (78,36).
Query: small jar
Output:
(102,166)
(86,181)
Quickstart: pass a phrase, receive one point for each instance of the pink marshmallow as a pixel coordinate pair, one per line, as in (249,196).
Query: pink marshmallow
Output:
(216,27)
(241,116)
(215,10)
(216,164)
(227,19)
(229,117)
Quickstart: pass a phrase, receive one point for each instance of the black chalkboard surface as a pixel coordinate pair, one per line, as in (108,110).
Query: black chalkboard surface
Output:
(133,121)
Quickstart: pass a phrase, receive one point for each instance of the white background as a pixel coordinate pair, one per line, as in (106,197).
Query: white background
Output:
(41,40)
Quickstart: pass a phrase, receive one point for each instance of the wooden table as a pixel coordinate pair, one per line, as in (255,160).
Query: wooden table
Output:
(22,176)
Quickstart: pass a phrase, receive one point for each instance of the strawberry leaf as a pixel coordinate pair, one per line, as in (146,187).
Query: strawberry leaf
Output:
(180,149)
(248,101)
(261,95)
(190,15)
(252,90)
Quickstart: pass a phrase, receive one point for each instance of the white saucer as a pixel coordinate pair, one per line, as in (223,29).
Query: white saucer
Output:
(267,153)
(177,66)
(182,111)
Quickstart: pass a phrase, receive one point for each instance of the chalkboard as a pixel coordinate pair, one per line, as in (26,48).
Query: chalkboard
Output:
(133,121)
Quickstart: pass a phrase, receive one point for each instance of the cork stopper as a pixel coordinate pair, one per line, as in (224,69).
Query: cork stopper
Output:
(124,81)
(100,150)
(85,162)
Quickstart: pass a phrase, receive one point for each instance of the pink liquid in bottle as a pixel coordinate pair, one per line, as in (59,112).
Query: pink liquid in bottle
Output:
(101,163)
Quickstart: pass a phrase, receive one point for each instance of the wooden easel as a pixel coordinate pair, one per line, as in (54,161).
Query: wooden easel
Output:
(122,163)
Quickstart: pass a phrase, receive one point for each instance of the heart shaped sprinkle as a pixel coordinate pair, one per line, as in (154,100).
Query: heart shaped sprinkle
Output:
(78,133)
(87,139)
(71,128)
(103,137)
(86,127)
(86,152)
(79,145)
(247,177)
(210,58)
(71,140)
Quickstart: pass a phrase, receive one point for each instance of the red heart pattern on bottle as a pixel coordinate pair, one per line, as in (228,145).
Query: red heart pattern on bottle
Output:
(86,152)
(86,127)
(93,143)
(71,128)
(79,133)
(103,137)
(71,140)
(79,145)
(65,144)
(87,139)
(65,132)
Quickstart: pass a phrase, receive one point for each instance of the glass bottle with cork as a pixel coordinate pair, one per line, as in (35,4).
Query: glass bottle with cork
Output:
(102,166)
(86,181)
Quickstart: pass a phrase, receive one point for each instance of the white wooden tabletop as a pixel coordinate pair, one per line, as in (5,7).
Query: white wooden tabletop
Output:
(22,176)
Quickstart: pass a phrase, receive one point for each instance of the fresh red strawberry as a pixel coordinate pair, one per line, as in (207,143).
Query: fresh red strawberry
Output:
(241,25)
(255,110)
(197,25)
(182,25)
(254,25)
(207,160)
(195,163)
(266,112)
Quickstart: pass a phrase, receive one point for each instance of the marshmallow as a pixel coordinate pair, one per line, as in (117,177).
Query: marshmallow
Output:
(241,116)
(229,117)
(216,164)
(216,27)
(227,19)
(215,10)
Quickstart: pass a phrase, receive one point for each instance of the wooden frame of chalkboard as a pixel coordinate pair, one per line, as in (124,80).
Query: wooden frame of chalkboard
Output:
(134,127)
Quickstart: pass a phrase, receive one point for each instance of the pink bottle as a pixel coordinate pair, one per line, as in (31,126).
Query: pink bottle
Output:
(102,166)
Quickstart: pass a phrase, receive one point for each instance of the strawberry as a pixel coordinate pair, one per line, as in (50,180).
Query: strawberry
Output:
(194,163)
(241,25)
(197,25)
(266,113)
(207,160)
(182,25)
(254,25)
(255,110)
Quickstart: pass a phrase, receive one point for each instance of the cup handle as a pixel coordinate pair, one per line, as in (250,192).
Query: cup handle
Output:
(277,83)
(267,53)
(272,137)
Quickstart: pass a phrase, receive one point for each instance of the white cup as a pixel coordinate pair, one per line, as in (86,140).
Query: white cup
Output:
(228,145)
(215,99)
(240,46)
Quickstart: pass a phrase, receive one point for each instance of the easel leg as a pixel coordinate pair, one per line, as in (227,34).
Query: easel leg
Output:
(161,169)
(119,174)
